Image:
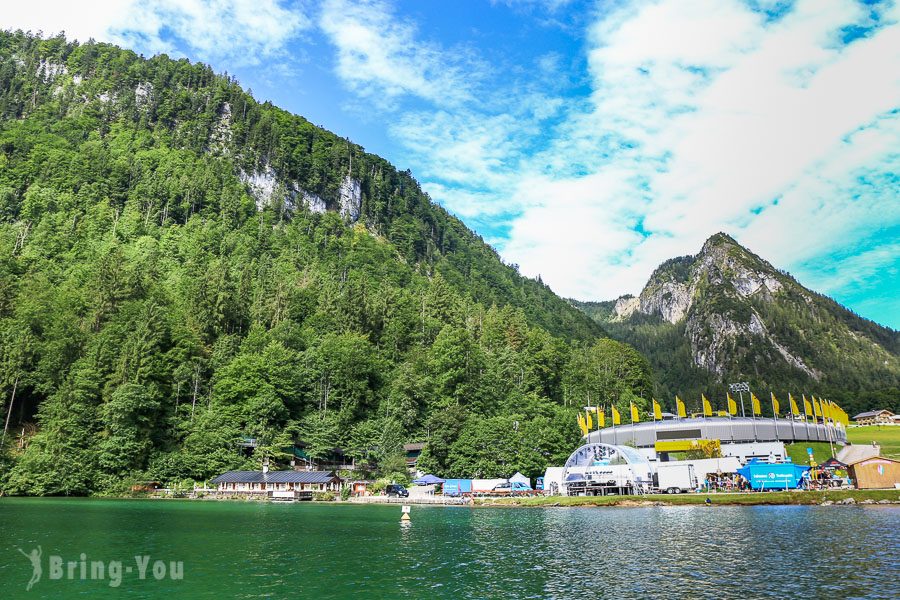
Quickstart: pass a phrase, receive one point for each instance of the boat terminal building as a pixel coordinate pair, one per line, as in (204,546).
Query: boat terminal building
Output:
(285,485)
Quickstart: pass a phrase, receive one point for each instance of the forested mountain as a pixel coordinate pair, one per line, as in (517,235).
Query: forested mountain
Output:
(183,267)
(727,315)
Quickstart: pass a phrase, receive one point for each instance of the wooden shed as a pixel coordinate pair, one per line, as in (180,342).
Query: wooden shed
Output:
(874,473)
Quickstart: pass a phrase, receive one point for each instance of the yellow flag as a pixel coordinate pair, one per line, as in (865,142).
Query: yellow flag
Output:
(776,408)
(679,404)
(657,411)
(635,417)
(601,419)
(589,421)
(754,402)
(816,407)
(807,407)
(707,407)
(582,424)
(795,410)
(617,418)
(732,406)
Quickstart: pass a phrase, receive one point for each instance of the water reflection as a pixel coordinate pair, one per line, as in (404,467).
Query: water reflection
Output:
(327,551)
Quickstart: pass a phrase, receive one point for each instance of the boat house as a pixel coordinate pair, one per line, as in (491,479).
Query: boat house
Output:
(278,485)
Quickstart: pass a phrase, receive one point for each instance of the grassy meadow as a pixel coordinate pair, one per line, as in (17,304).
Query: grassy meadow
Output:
(887,436)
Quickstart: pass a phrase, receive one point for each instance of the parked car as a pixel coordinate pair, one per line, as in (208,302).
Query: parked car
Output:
(512,487)
(396,490)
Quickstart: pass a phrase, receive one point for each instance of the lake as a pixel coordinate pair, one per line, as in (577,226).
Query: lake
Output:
(250,550)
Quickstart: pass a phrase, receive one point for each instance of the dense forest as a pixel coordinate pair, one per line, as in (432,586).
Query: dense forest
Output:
(157,308)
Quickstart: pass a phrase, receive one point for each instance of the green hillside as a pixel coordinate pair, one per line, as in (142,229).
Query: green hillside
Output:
(183,267)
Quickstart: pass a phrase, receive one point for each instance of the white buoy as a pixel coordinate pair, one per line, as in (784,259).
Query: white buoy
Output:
(405,511)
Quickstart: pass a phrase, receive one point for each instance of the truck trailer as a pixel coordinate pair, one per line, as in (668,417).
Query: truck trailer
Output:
(674,479)
(457,487)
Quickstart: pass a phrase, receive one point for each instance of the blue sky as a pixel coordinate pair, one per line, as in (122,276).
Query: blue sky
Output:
(588,140)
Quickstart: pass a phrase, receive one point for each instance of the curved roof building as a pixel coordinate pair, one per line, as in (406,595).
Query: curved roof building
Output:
(604,468)
(735,430)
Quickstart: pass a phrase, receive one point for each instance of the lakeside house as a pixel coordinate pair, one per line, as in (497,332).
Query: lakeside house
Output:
(296,485)
(875,417)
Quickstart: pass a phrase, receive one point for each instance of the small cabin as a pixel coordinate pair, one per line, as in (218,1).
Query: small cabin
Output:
(360,487)
(298,485)
(875,472)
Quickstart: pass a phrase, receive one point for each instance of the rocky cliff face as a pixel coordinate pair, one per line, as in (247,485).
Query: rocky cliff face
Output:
(673,287)
(735,315)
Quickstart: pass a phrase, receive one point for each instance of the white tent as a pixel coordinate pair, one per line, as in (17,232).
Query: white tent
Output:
(553,481)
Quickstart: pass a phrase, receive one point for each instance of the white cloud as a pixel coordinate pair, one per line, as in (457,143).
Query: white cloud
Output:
(551,5)
(380,58)
(242,31)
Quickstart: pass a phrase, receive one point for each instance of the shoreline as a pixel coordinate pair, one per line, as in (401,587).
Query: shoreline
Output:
(789,498)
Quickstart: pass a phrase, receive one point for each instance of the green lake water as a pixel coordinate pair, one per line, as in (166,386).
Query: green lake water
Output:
(249,550)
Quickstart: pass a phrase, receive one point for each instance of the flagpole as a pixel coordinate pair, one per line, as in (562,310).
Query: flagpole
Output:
(612,416)
(828,431)
(633,435)
(791,405)
(806,415)
(753,416)
(774,415)
(728,401)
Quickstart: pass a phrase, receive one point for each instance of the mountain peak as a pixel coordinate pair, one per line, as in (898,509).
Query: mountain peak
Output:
(719,239)
(736,315)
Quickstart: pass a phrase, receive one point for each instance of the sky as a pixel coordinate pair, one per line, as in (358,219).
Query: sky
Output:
(587,141)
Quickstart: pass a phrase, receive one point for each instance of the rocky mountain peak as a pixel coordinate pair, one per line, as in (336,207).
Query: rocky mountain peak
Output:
(722,264)
(737,315)
(719,240)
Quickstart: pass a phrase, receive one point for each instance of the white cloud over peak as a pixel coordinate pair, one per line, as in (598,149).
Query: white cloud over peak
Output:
(706,113)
